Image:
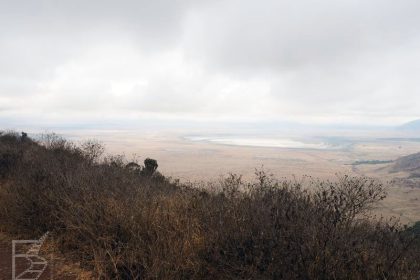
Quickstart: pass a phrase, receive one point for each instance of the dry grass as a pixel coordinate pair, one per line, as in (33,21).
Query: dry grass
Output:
(122,222)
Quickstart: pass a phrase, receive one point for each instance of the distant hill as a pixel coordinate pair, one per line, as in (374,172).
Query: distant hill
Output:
(410,163)
(413,125)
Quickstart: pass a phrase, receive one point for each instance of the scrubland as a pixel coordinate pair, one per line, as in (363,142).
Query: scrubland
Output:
(123,220)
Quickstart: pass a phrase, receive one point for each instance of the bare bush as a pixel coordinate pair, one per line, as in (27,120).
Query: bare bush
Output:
(125,223)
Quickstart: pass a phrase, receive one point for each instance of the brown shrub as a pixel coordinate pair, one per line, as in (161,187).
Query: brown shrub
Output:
(127,224)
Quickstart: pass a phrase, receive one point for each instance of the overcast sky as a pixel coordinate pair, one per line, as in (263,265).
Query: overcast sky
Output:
(77,61)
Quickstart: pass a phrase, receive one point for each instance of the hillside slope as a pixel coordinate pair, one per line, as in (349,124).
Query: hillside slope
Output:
(121,220)
(410,163)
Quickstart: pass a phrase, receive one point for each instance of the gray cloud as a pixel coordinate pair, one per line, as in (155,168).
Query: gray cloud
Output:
(283,35)
(351,61)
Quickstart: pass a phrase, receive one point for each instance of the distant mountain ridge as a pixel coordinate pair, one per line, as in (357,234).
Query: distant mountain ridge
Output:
(413,125)
(410,163)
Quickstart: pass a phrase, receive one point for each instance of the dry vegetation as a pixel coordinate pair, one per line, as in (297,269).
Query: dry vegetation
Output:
(125,221)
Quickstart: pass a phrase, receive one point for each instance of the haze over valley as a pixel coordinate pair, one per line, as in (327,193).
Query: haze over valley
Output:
(210,139)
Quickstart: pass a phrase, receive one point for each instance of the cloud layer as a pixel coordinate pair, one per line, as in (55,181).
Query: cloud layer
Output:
(308,61)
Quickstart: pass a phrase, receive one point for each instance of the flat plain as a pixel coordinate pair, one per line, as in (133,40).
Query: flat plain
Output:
(204,160)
